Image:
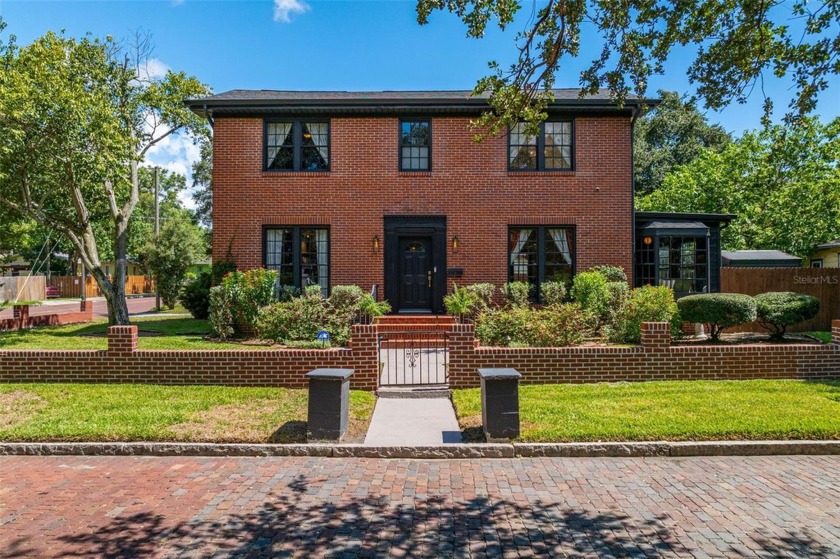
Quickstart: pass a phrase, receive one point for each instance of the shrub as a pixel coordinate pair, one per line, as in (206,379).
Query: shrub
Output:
(645,304)
(553,292)
(221,317)
(344,298)
(297,320)
(612,273)
(370,308)
(557,326)
(591,291)
(461,303)
(218,271)
(718,310)
(502,327)
(249,292)
(483,293)
(195,296)
(517,294)
(777,310)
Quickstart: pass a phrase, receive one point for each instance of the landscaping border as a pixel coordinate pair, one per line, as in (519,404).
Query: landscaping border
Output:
(654,359)
(450,451)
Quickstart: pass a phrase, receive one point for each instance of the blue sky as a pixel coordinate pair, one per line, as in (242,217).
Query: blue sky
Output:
(328,44)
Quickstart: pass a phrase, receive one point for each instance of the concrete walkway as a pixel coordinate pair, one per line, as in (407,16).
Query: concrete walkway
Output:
(413,422)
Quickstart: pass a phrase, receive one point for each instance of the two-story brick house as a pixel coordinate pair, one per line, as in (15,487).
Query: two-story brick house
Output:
(388,189)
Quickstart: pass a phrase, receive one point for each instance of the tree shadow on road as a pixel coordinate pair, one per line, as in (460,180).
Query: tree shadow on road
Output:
(299,521)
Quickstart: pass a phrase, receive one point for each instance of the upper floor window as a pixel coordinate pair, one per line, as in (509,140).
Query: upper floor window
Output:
(415,145)
(299,145)
(551,150)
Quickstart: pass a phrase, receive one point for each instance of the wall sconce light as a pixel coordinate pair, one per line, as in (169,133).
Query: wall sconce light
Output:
(455,243)
(648,240)
(376,243)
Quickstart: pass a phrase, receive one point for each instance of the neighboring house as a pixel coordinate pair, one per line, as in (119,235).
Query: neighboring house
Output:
(13,265)
(132,268)
(827,255)
(389,190)
(760,259)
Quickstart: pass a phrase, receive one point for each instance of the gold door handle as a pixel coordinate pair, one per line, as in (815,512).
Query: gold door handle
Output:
(429,277)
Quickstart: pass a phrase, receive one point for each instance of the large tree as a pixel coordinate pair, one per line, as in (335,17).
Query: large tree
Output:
(202,173)
(673,134)
(76,119)
(782,182)
(735,43)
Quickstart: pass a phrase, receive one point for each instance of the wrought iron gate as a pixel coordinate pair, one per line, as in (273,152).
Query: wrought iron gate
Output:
(414,358)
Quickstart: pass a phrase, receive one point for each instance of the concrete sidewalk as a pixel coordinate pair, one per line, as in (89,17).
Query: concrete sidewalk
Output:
(413,422)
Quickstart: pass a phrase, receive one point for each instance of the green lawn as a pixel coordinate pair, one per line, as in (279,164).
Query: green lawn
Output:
(163,332)
(824,337)
(673,410)
(91,412)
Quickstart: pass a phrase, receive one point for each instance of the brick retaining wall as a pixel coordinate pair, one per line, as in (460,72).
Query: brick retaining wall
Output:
(22,319)
(123,363)
(654,359)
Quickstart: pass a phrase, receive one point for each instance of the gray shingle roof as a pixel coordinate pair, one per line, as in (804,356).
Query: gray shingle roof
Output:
(260,99)
(736,255)
(830,244)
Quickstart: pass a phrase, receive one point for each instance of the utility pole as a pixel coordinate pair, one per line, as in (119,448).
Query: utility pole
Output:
(157,233)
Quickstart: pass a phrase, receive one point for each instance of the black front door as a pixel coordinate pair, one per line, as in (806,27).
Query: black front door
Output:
(415,273)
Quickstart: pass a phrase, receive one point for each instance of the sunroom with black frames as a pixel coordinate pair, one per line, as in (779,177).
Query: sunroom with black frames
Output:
(679,251)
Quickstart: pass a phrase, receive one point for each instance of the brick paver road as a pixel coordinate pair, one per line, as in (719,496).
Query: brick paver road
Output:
(319,507)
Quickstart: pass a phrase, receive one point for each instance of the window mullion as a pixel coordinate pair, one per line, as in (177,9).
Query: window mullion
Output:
(297,141)
(540,261)
(296,257)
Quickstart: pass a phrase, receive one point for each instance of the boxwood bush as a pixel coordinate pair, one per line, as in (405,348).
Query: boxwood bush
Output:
(554,326)
(777,310)
(645,304)
(718,310)
(195,296)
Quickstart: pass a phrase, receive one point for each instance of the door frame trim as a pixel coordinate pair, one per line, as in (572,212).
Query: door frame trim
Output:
(400,225)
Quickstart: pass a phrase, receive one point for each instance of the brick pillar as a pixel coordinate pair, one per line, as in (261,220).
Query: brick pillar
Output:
(122,340)
(656,335)
(364,342)
(21,316)
(86,309)
(463,372)
(835,332)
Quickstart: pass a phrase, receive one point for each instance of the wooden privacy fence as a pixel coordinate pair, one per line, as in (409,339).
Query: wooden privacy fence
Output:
(70,286)
(22,288)
(822,283)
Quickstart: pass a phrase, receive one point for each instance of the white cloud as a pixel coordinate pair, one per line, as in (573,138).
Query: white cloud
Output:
(283,9)
(152,69)
(176,153)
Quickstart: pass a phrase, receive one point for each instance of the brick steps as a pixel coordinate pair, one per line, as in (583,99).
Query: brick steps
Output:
(414,323)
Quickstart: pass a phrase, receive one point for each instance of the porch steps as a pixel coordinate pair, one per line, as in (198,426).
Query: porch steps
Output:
(411,392)
(414,323)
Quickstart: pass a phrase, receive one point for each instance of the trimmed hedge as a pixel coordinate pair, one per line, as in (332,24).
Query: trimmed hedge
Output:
(777,310)
(718,310)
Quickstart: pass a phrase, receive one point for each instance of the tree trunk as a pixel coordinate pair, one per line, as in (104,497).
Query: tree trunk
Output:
(114,294)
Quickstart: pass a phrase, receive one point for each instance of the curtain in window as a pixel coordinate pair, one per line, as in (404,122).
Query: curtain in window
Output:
(561,241)
(520,244)
(322,259)
(279,135)
(320,137)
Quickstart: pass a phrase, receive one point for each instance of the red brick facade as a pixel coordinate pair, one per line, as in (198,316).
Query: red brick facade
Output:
(469,184)
(654,359)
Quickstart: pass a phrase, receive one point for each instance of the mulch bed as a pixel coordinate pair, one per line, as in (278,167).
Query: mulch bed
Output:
(748,338)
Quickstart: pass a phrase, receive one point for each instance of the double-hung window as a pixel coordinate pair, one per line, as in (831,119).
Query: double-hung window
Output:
(551,150)
(301,255)
(537,254)
(297,145)
(415,145)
